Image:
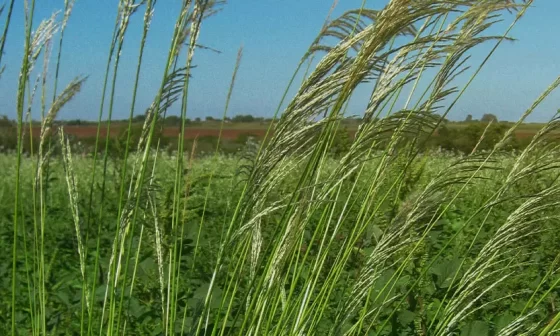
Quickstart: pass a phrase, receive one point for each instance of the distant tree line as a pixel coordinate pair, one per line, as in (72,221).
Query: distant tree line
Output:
(173,120)
(241,118)
(481,134)
(487,117)
(453,136)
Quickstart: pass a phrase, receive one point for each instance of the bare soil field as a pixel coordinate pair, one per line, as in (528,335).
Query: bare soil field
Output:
(90,131)
(230,132)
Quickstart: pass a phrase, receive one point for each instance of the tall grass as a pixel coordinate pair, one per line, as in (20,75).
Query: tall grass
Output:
(289,240)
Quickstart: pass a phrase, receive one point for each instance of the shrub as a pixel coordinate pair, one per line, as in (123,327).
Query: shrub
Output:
(242,118)
(464,139)
(488,117)
(341,142)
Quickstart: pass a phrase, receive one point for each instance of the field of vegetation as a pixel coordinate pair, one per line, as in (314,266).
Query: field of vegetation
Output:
(231,136)
(395,223)
(418,291)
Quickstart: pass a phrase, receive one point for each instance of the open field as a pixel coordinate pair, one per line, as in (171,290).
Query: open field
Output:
(232,131)
(229,133)
(459,236)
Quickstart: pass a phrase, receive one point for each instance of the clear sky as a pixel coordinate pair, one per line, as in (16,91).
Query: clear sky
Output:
(275,34)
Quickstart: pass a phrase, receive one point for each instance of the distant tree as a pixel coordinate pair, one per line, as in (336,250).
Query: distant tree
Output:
(440,117)
(8,135)
(488,117)
(139,118)
(197,119)
(172,120)
(465,139)
(341,142)
(209,118)
(243,118)
(4,121)
(468,118)
(75,122)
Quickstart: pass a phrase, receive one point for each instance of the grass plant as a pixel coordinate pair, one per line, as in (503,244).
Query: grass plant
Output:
(389,238)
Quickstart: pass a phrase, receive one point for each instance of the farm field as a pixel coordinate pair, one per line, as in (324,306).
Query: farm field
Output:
(232,131)
(228,132)
(352,205)
(212,186)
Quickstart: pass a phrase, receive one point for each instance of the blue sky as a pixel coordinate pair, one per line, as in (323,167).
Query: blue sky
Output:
(275,34)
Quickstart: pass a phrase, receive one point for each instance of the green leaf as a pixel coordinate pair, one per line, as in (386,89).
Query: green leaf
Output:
(100,293)
(445,271)
(406,317)
(148,265)
(503,320)
(518,306)
(433,308)
(200,294)
(63,297)
(476,328)
(157,330)
(374,231)
(135,308)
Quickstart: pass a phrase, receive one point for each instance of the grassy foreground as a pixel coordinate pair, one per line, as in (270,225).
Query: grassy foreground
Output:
(290,236)
(417,292)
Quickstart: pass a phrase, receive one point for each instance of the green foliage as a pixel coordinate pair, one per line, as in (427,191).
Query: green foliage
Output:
(465,139)
(5,122)
(243,118)
(307,232)
(488,117)
(143,314)
(341,142)
(173,120)
(8,135)
(244,137)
